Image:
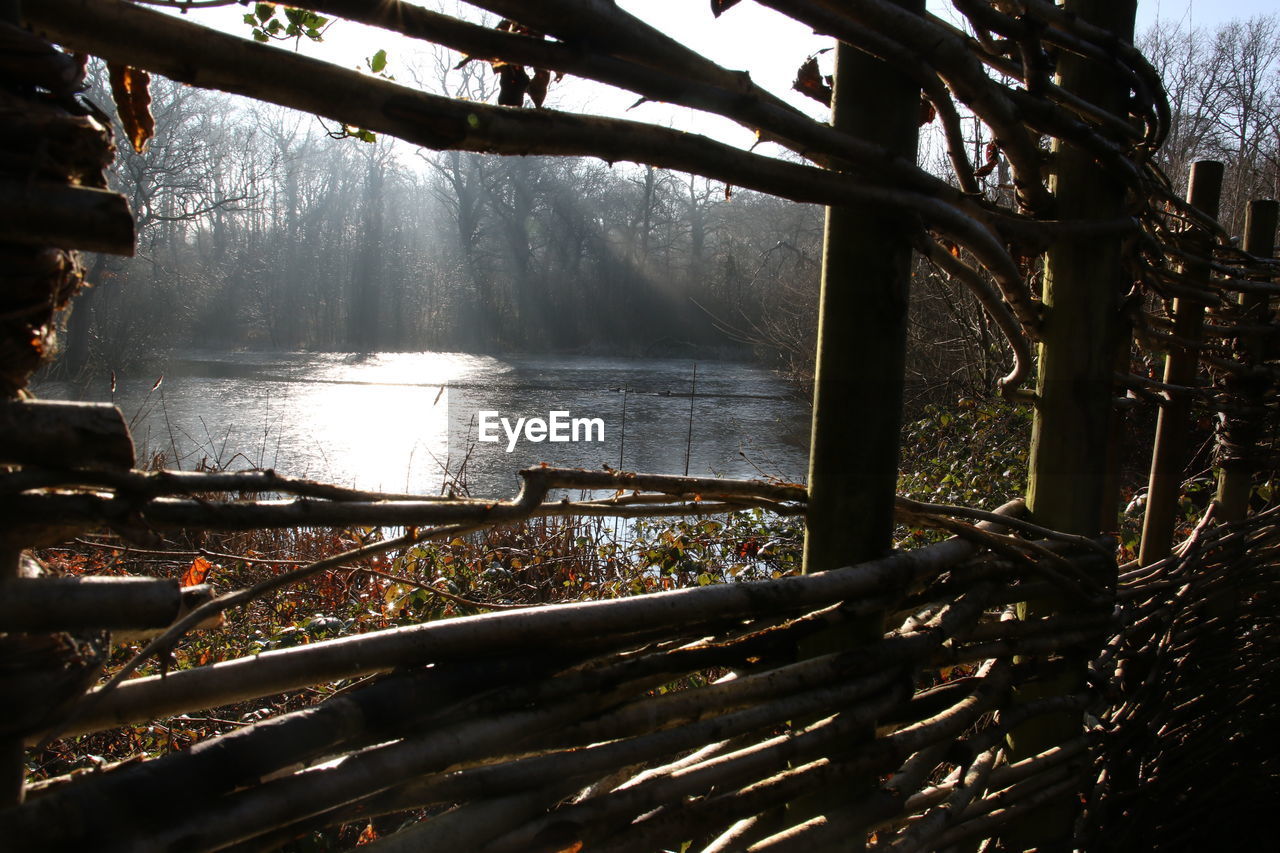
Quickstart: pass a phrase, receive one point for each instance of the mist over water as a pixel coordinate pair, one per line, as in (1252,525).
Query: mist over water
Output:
(396,421)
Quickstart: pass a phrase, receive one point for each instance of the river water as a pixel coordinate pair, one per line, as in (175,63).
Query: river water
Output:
(400,421)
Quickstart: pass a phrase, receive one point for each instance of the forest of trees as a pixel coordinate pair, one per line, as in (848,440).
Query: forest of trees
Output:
(258,229)
(1224,96)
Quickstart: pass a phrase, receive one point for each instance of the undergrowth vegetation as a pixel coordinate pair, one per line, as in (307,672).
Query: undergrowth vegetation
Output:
(965,454)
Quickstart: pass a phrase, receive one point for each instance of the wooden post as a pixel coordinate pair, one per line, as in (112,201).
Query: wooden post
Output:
(858,384)
(1241,433)
(1114,482)
(13,769)
(862,324)
(1083,283)
(1169,456)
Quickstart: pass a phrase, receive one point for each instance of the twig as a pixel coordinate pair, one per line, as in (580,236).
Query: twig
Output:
(173,633)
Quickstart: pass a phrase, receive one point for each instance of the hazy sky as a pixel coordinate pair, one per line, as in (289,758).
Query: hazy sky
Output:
(1202,13)
(748,36)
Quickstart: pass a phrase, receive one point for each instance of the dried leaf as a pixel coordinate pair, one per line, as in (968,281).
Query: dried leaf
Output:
(809,81)
(131,88)
(538,86)
(927,111)
(992,160)
(196,572)
(719,7)
(369,836)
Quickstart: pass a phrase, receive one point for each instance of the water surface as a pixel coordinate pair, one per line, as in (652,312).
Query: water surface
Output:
(399,421)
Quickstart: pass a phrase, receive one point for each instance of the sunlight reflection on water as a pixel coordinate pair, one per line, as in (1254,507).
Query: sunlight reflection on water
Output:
(383,421)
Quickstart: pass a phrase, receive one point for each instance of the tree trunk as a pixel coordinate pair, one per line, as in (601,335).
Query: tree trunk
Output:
(364,333)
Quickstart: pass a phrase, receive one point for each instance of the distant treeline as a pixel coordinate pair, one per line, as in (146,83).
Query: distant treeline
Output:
(1224,95)
(258,229)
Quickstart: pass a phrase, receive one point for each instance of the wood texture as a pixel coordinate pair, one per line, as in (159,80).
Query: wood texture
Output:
(44,213)
(86,603)
(65,435)
(1181,368)
(1084,281)
(1240,465)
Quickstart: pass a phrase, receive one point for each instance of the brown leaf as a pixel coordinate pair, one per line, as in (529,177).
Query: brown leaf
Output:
(927,111)
(131,88)
(718,7)
(196,572)
(992,160)
(538,86)
(809,81)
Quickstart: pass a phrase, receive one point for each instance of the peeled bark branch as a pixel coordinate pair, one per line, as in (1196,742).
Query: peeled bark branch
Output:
(44,213)
(199,56)
(997,308)
(92,603)
(140,498)
(727,93)
(348,657)
(956,64)
(64,435)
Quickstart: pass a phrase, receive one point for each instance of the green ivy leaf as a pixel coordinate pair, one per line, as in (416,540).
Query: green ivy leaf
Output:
(264,11)
(378,61)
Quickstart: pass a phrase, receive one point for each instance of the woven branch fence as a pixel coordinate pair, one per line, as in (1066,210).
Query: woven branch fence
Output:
(545,728)
(551,726)
(694,719)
